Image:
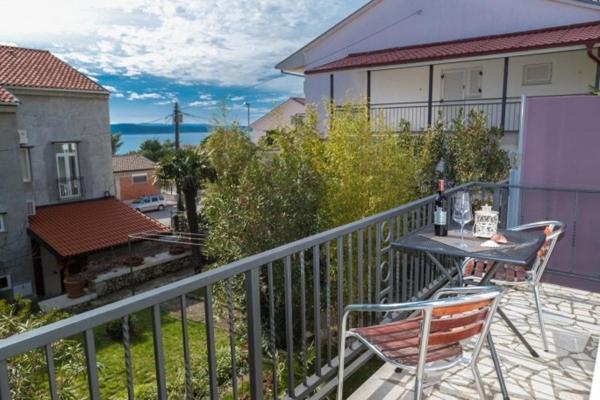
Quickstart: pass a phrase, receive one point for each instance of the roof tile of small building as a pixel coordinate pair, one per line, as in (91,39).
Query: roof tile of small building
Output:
(560,36)
(88,226)
(131,162)
(7,97)
(20,67)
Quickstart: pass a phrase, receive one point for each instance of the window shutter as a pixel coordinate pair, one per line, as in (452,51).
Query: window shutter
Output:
(475,79)
(453,85)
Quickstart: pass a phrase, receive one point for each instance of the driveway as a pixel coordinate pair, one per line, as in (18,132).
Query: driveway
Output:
(164,216)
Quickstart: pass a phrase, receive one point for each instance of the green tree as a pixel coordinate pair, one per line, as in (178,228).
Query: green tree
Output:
(27,371)
(116,141)
(154,150)
(188,168)
(365,166)
(473,151)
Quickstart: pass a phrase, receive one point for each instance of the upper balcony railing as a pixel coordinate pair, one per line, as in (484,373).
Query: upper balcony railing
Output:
(419,115)
(290,307)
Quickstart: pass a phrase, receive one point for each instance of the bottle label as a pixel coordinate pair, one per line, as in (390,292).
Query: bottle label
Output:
(439,217)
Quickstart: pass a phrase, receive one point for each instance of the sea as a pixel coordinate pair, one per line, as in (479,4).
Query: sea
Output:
(132,141)
(133,135)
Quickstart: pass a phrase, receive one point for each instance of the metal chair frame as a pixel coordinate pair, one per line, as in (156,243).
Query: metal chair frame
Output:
(533,277)
(464,295)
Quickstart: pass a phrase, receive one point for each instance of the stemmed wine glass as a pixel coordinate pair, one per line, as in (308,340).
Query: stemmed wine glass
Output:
(462,214)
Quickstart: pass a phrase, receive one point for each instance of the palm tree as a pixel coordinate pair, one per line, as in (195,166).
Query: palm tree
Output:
(188,169)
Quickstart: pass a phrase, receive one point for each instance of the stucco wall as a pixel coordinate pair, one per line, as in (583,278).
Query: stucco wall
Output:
(279,117)
(49,118)
(15,251)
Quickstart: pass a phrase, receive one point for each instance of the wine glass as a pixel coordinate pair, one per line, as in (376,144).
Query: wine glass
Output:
(462,214)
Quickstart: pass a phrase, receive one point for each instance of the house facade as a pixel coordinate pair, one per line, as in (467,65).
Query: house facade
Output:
(279,117)
(134,177)
(414,60)
(55,152)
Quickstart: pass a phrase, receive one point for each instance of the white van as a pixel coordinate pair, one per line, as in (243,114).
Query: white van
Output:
(150,203)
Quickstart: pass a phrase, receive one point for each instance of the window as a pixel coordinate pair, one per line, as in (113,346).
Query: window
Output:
(5,282)
(30,207)
(67,164)
(537,74)
(461,84)
(140,178)
(25,164)
(2,223)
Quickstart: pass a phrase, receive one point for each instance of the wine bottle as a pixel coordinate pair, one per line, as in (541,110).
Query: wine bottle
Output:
(440,217)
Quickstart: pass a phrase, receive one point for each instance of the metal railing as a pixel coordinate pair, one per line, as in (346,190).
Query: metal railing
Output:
(291,305)
(418,114)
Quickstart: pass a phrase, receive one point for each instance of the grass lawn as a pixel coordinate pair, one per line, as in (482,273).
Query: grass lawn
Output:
(110,354)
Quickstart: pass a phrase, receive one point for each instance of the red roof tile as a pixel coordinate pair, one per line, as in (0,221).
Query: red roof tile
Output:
(7,97)
(560,36)
(87,226)
(131,162)
(40,69)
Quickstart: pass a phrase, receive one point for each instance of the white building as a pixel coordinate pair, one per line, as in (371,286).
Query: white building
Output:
(279,117)
(410,59)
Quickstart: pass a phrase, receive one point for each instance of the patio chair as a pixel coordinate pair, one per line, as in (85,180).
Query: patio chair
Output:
(518,276)
(430,340)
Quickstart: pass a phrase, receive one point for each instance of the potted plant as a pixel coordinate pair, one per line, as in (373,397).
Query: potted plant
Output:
(177,249)
(133,261)
(74,286)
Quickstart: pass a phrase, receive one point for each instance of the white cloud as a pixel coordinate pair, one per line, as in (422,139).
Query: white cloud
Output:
(222,42)
(143,96)
(237,98)
(277,99)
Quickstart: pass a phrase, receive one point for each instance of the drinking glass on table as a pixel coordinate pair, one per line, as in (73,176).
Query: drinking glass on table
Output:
(462,214)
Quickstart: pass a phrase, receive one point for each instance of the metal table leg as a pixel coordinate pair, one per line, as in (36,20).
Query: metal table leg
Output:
(511,326)
(497,367)
(516,332)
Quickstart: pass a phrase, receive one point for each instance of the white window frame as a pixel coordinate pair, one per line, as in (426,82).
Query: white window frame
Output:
(547,81)
(466,92)
(25,172)
(71,176)
(133,176)
(2,222)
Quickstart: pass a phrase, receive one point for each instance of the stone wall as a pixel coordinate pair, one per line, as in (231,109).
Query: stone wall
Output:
(153,267)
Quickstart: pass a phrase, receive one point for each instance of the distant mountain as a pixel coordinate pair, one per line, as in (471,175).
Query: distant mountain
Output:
(139,129)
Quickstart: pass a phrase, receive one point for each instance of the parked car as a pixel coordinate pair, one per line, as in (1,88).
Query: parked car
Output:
(150,203)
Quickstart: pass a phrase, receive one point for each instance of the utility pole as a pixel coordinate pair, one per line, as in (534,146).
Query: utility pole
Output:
(248,107)
(177,119)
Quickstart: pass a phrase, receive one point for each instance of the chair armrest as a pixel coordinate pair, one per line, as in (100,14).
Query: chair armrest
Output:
(465,290)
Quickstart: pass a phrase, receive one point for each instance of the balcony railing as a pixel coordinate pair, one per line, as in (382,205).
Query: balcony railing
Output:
(70,188)
(290,331)
(419,114)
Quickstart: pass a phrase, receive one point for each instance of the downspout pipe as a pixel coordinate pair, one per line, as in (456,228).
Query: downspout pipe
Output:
(589,46)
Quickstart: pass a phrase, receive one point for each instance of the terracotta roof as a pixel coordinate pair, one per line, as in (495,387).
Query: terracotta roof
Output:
(132,162)
(560,36)
(22,67)
(7,97)
(87,226)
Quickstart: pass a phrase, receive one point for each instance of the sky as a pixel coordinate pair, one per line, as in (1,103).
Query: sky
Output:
(202,53)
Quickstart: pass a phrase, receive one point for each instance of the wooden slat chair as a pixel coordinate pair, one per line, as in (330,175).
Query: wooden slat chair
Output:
(517,276)
(431,340)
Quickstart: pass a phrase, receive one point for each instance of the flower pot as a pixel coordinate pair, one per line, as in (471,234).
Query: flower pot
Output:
(177,249)
(74,287)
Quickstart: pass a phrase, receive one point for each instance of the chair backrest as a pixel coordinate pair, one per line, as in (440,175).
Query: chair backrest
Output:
(553,231)
(454,319)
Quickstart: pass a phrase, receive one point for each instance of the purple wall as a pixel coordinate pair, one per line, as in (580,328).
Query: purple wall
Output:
(561,149)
